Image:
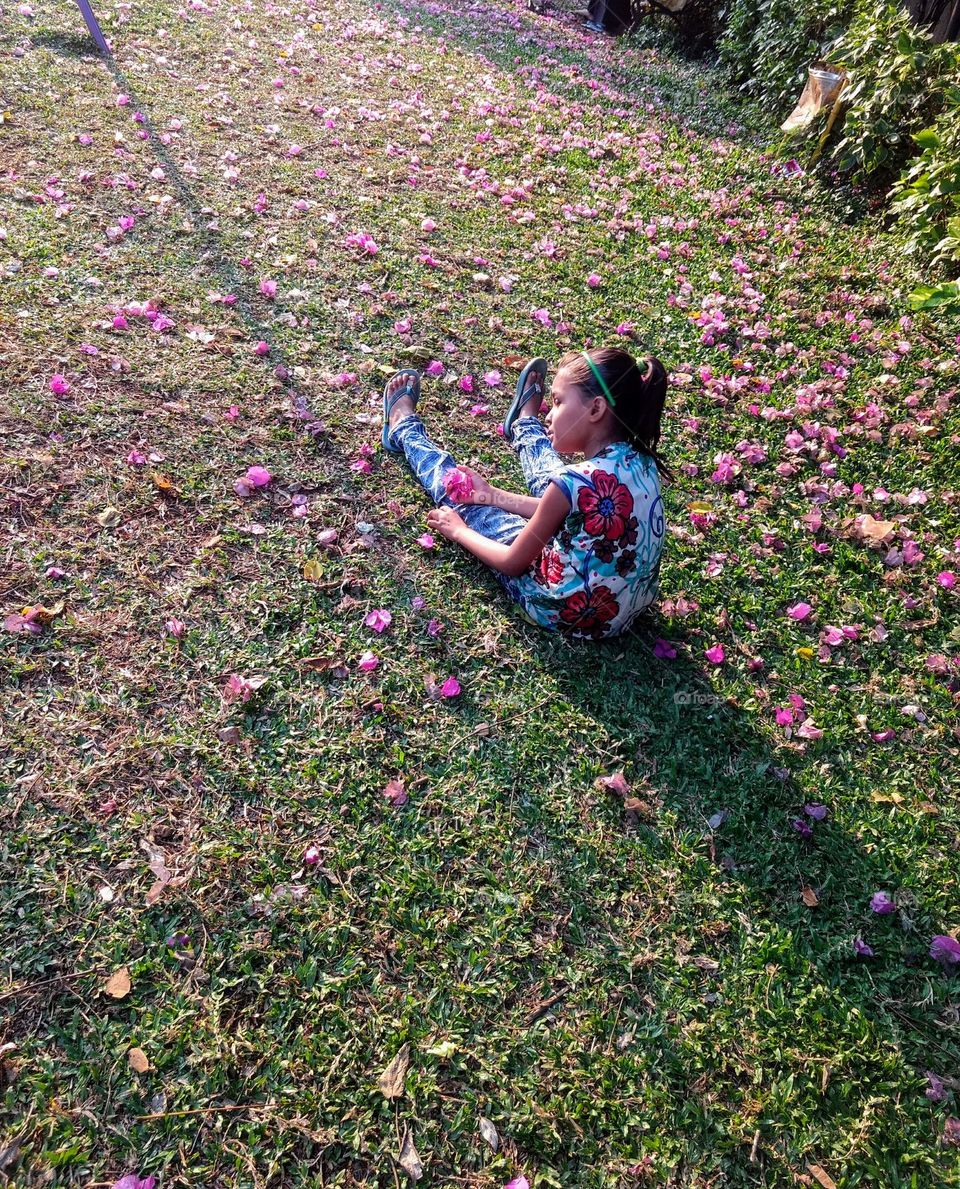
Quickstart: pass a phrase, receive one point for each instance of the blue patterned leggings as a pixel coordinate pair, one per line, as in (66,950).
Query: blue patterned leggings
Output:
(538,460)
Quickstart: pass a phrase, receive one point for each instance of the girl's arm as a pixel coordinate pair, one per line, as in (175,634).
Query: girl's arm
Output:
(515,558)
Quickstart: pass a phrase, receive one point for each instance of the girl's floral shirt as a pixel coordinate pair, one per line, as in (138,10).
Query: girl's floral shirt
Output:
(602,569)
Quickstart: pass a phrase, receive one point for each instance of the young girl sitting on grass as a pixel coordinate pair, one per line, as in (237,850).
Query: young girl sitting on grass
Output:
(581,553)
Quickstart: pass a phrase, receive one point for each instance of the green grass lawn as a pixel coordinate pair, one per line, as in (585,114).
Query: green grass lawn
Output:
(652,983)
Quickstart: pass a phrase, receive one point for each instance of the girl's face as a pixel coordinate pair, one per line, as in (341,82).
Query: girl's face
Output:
(573,415)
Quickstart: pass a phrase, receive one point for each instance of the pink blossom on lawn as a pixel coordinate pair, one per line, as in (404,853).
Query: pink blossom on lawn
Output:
(241,689)
(379,620)
(175,627)
(434,368)
(947,579)
(59,385)
(664,650)
(361,466)
(492,378)
(55,572)
(881,904)
(434,628)
(259,476)
(134,1181)
(426,541)
(593,280)
(311,856)
(945,949)
(368,661)
(799,611)
(479,410)
(450,688)
(715,655)
(396,794)
(261,348)
(466,384)
(520,1182)
(136,458)
(268,288)
(428,225)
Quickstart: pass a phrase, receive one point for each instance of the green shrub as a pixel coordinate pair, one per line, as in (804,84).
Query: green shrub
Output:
(927,196)
(768,44)
(895,88)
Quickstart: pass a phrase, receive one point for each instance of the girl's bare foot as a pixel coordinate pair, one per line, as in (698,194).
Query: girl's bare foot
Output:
(404,406)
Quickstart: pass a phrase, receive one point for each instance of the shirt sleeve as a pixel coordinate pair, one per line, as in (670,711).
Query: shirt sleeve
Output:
(569,480)
(567,485)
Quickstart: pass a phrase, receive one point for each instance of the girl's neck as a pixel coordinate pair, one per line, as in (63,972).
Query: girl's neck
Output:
(599,442)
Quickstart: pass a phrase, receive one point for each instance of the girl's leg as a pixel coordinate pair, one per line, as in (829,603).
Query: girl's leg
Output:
(429,463)
(538,459)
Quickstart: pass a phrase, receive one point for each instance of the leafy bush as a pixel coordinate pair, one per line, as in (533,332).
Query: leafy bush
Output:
(927,197)
(768,44)
(895,87)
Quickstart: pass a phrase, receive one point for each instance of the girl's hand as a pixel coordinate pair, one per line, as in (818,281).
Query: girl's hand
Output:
(446,522)
(482,491)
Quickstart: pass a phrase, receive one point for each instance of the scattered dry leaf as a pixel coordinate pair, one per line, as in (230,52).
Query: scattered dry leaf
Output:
(118,984)
(489,1133)
(138,1060)
(393,1077)
(810,897)
(410,1158)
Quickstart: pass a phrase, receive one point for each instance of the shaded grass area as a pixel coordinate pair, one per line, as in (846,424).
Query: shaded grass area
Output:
(627,995)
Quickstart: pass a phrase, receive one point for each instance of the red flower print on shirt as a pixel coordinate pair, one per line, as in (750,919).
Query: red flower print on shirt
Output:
(606,506)
(550,569)
(589,612)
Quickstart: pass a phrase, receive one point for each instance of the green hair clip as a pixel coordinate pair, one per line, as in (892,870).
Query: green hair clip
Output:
(600,380)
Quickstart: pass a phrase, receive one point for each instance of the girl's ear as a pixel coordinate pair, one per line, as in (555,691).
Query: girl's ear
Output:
(597,408)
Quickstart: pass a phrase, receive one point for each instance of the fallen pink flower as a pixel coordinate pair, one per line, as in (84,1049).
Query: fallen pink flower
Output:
(450,688)
(133,1181)
(268,288)
(237,688)
(259,476)
(379,620)
(311,856)
(243,488)
(664,650)
(396,794)
(59,385)
(426,541)
(520,1182)
(55,572)
(715,655)
(945,949)
(593,280)
(947,579)
(881,904)
(368,661)
(327,537)
(428,225)
(361,466)
(175,627)
(799,611)
(434,628)
(136,458)
(261,348)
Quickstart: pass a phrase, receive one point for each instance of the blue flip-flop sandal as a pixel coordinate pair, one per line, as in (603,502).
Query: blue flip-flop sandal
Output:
(411,389)
(538,368)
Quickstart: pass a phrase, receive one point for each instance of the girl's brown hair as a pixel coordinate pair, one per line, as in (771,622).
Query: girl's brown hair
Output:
(639,393)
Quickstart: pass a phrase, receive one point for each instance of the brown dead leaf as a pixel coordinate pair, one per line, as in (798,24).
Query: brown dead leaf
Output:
(118,984)
(138,1060)
(318,664)
(409,1157)
(164,485)
(394,1076)
(229,735)
(638,806)
(810,897)
(873,531)
(821,1176)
